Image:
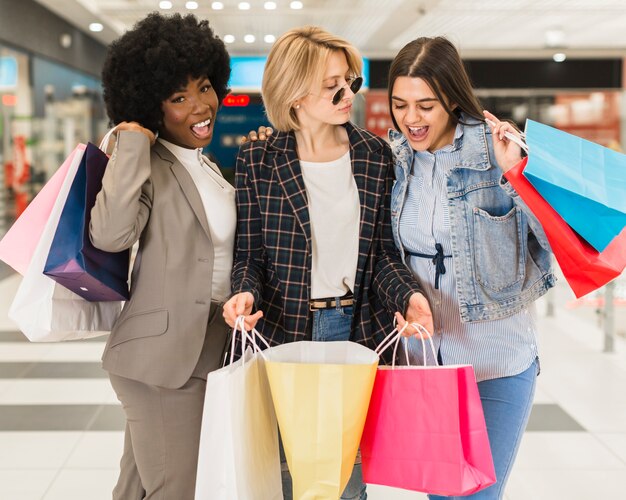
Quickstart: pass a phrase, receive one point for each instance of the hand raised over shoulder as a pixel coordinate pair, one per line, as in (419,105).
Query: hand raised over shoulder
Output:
(253,136)
(136,127)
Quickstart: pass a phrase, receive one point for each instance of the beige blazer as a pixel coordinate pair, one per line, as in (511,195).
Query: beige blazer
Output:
(148,195)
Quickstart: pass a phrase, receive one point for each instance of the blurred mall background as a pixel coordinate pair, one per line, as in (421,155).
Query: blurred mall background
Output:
(560,62)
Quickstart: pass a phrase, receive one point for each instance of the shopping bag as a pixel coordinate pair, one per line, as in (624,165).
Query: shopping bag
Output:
(19,243)
(583,181)
(425,430)
(47,312)
(321,391)
(239,455)
(73,261)
(584,268)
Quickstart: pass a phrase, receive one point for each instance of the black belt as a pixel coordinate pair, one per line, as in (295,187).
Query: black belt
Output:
(437,259)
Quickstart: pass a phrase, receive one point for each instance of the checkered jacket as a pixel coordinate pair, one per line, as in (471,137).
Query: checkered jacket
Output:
(273,244)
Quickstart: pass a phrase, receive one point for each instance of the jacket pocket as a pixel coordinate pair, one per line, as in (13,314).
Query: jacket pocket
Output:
(499,256)
(140,325)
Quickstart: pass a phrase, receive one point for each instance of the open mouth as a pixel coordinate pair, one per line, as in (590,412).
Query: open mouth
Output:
(418,133)
(202,130)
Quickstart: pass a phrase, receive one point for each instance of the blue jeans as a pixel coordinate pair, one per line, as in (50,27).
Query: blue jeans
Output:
(507,403)
(330,325)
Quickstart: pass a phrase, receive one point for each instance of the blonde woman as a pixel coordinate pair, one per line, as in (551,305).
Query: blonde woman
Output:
(315,258)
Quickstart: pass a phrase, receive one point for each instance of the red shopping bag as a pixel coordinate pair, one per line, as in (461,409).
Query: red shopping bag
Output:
(584,268)
(425,431)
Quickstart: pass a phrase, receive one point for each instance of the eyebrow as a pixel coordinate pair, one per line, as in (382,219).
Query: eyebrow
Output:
(334,77)
(426,99)
(200,83)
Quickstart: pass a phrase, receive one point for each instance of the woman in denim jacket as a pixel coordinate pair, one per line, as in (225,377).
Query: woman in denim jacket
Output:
(480,256)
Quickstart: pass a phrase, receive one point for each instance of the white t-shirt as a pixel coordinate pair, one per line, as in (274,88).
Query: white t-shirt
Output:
(334,211)
(218,199)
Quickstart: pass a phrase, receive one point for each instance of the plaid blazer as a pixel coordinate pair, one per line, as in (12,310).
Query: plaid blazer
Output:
(273,244)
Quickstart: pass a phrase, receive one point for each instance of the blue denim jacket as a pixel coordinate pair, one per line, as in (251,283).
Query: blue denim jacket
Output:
(502,259)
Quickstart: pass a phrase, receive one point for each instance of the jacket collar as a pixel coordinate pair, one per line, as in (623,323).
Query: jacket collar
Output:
(366,152)
(186,183)
(284,142)
(474,153)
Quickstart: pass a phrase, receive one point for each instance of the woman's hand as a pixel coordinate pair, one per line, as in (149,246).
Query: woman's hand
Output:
(261,135)
(417,312)
(238,305)
(508,154)
(136,127)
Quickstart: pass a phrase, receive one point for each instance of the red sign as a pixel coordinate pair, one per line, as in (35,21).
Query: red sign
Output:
(237,100)
(9,100)
(377,119)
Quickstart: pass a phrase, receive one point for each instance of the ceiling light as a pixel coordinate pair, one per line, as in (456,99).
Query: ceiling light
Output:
(65,39)
(229,38)
(244,6)
(191,5)
(217,5)
(555,37)
(559,57)
(95,27)
(165,5)
(269,5)
(269,38)
(249,39)
(296,5)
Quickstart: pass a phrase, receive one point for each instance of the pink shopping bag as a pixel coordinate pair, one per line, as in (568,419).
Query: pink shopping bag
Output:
(425,431)
(18,245)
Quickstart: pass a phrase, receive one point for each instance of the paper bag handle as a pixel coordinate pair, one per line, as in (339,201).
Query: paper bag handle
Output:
(394,339)
(512,137)
(104,143)
(246,336)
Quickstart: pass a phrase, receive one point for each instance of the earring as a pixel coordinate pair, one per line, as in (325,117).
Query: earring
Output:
(297,106)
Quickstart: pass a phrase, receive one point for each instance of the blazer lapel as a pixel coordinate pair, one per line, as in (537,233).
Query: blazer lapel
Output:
(289,173)
(368,169)
(187,185)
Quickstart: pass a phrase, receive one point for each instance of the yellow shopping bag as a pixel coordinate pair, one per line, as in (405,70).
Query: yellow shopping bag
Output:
(321,393)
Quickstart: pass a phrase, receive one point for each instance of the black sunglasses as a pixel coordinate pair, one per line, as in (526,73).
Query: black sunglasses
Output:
(355,86)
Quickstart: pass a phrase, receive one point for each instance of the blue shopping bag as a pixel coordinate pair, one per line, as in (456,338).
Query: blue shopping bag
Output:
(73,261)
(583,181)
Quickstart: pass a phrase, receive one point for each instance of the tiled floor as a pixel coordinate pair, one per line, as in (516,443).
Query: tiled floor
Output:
(61,425)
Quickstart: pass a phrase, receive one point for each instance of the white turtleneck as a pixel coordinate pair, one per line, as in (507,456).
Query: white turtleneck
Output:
(218,198)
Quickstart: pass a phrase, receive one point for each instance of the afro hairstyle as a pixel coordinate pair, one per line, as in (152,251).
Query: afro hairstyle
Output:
(152,61)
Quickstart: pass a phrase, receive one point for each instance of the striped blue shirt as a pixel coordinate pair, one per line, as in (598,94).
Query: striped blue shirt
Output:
(497,348)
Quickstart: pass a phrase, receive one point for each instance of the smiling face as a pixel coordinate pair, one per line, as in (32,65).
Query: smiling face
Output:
(420,115)
(189,114)
(318,106)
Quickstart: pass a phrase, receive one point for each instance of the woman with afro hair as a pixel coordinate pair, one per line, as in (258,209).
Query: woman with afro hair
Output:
(164,81)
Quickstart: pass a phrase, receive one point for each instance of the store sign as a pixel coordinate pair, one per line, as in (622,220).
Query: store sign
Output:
(8,73)
(377,117)
(240,100)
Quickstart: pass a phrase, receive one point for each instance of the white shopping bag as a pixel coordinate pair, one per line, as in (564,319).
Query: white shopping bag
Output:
(48,312)
(239,457)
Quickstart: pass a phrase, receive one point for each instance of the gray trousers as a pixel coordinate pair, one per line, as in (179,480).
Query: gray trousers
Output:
(163,427)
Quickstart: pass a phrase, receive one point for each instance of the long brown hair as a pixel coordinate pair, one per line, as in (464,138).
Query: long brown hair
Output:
(438,63)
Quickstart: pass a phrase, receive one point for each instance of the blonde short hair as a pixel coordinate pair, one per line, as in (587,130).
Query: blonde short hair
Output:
(296,62)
